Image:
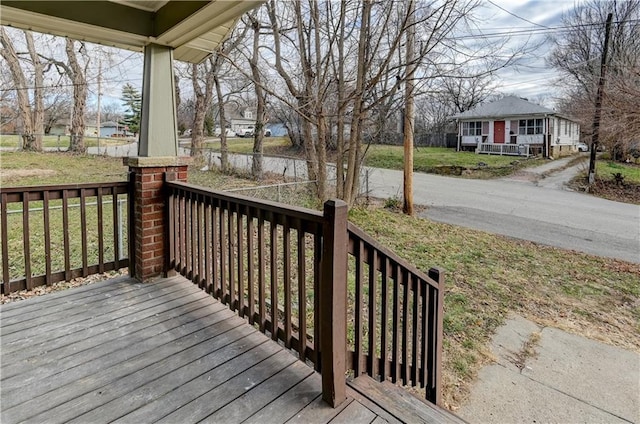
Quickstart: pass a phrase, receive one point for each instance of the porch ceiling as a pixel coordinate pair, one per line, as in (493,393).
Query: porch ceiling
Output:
(193,28)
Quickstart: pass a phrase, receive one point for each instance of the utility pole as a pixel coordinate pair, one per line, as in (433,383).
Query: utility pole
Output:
(99,95)
(409,112)
(596,118)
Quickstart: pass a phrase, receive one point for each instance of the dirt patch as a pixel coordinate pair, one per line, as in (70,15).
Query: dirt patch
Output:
(609,189)
(22,173)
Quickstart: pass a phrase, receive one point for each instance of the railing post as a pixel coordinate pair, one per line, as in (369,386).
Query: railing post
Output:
(149,213)
(333,302)
(434,388)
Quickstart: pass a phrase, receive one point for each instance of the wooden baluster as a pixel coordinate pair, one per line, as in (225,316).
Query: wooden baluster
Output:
(250,265)
(26,240)
(302,292)
(47,236)
(358,308)
(434,357)
(372,365)
(261,272)
(274,276)
(415,330)
(395,354)
(384,318)
(286,247)
(405,326)
(240,259)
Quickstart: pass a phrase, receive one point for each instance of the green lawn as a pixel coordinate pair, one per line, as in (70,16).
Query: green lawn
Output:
(607,169)
(245,145)
(62,141)
(28,168)
(433,159)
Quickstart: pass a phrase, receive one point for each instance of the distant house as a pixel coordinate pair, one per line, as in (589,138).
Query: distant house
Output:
(515,126)
(63,127)
(243,118)
(109,128)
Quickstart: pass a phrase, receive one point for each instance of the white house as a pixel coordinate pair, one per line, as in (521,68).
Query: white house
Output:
(515,126)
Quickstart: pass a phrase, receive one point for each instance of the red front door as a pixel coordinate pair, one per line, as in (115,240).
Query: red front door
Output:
(498,132)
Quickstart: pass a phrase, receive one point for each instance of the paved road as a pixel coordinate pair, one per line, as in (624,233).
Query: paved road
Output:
(521,209)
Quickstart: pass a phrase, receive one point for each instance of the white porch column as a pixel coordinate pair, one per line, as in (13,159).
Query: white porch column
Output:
(158,126)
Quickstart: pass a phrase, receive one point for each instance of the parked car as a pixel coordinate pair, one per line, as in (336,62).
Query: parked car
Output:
(248,132)
(245,132)
(217,132)
(583,147)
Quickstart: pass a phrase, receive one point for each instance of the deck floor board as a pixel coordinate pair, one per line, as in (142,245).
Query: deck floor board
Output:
(155,321)
(121,351)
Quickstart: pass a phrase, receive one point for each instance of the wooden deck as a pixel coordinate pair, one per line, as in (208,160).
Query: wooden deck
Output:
(121,351)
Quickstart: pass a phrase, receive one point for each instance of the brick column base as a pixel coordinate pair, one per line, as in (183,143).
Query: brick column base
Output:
(147,258)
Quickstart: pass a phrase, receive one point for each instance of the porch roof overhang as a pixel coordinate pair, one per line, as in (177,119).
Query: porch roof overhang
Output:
(192,28)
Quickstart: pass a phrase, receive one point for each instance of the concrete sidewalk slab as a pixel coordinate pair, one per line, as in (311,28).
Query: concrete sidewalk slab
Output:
(604,376)
(561,378)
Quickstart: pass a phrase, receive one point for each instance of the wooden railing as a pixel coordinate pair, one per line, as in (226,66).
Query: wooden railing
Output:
(396,311)
(287,271)
(504,149)
(57,233)
(260,258)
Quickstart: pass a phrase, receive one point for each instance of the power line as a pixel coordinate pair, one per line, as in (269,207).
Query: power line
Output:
(516,16)
(538,31)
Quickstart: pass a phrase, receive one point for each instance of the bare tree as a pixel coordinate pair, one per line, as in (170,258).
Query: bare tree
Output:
(258,129)
(342,74)
(56,108)
(202,76)
(577,54)
(32,119)
(222,54)
(76,71)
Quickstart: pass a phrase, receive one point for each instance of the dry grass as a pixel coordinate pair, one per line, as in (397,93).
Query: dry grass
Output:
(487,277)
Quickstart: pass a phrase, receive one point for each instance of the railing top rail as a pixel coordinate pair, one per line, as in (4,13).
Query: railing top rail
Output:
(35,193)
(359,233)
(279,208)
(58,187)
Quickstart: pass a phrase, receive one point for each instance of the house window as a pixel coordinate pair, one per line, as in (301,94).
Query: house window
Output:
(248,114)
(559,125)
(530,126)
(472,128)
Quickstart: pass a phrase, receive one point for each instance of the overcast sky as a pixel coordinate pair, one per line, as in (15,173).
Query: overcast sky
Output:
(533,21)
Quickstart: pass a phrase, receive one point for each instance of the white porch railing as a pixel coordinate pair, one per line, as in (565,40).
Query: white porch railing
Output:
(504,149)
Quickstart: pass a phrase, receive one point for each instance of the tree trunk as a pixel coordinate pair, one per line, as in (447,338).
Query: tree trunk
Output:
(224,146)
(258,131)
(24,107)
(203,96)
(355,150)
(79,81)
(409,113)
(38,104)
(341,108)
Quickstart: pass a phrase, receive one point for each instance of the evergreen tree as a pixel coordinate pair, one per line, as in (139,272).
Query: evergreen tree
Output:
(132,101)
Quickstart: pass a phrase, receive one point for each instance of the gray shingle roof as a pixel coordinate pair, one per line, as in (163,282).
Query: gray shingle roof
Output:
(505,107)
